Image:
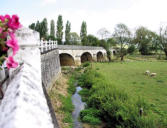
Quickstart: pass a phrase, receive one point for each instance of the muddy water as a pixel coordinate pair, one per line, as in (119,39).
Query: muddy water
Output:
(79,105)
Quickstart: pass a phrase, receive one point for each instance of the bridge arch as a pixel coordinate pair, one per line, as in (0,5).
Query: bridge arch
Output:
(86,56)
(100,56)
(66,59)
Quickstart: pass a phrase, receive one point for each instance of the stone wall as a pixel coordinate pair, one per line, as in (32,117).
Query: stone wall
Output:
(50,67)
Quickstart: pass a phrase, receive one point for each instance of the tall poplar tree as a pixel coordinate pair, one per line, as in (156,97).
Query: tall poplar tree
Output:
(44,28)
(38,28)
(59,32)
(67,32)
(83,33)
(52,28)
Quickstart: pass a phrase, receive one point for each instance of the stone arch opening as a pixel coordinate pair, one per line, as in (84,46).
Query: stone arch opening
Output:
(100,57)
(114,52)
(66,60)
(86,57)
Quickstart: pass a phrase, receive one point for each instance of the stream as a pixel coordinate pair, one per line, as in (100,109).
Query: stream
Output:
(79,106)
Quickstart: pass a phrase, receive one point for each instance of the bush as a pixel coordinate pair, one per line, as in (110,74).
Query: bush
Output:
(87,78)
(90,116)
(71,87)
(90,112)
(131,49)
(92,120)
(86,64)
(85,94)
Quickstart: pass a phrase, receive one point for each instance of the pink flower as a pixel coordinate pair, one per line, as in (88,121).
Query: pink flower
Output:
(13,43)
(11,63)
(4,35)
(6,17)
(14,22)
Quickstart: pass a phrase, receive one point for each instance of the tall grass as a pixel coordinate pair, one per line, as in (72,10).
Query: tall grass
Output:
(116,107)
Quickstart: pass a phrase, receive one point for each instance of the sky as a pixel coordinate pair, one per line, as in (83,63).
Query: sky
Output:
(97,13)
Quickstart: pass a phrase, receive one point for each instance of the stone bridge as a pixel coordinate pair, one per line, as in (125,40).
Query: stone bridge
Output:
(75,55)
(71,55)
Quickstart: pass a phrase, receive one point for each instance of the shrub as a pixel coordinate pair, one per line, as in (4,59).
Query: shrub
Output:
(131,49)
(86,64)
(71,87)
(90,112)
(87,78)
(85,94)
(92,120)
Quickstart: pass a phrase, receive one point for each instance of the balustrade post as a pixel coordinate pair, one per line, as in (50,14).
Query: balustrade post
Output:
(46,46)
(52,44)
(56,43)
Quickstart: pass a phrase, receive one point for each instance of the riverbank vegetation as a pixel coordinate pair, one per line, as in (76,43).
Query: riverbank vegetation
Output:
(122,96)
(60,95)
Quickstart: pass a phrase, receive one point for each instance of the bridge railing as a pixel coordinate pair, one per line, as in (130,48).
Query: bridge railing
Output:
(47,45)
(79,47)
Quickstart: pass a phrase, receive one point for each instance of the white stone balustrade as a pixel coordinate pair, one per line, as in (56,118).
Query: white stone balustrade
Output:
(47,45)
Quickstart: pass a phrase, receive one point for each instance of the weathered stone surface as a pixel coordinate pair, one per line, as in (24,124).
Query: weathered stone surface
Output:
(50,67)
(24,104)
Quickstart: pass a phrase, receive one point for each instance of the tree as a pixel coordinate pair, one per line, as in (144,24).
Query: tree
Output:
(74,38)
(103,33)
(155,42)
(32,26)
(122,36)
(144,39)
(131,49)
(83,33)
(111,42)
(67,32)
(163,39)
(52,28)
(44,28)
(38,26)
(59,32)
(105,45)
(92,41)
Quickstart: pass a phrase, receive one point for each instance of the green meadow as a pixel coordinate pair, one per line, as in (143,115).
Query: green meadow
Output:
(121,95)
(130,76)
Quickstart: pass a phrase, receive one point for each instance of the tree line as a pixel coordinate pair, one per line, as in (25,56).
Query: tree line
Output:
(56,32)
(142,40)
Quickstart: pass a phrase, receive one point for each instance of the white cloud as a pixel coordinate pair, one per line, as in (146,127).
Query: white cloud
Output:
(46,2)
(148,13)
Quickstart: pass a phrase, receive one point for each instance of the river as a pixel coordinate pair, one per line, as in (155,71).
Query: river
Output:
(79,105)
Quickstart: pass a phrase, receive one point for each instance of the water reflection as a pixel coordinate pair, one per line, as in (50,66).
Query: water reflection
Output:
(79,105)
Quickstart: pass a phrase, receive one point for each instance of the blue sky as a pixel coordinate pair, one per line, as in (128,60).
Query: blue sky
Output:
(97,13)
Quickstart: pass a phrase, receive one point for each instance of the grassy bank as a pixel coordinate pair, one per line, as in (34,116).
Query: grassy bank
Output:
(60,96)
(120,95)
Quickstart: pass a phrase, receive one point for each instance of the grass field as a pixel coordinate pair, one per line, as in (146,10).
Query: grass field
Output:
(130,77)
